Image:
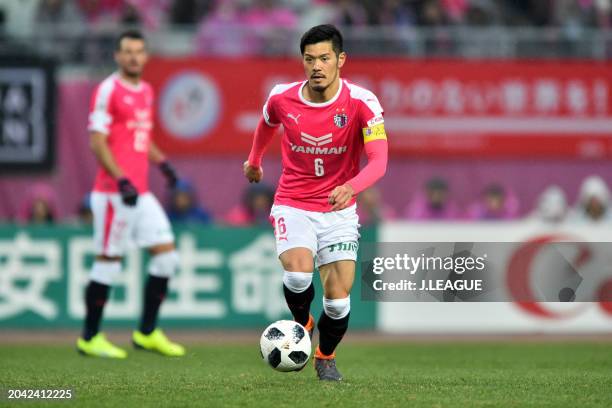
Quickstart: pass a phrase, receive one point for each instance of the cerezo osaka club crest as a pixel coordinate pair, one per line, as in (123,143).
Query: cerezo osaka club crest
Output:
(340,119)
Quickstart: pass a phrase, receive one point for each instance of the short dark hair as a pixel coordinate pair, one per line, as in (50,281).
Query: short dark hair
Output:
(132,34)
(320,33)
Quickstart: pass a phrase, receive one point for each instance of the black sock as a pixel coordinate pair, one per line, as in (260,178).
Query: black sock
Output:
(96,296)
(299,303)
(331,332)
(155,292)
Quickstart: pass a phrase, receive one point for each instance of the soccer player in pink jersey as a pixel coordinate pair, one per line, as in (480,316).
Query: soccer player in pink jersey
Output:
(328,122)
(124,210)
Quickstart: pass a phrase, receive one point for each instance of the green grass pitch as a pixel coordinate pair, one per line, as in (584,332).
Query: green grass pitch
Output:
(378,375)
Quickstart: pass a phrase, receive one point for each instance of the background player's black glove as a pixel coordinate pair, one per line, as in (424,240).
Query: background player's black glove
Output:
(169,172)
(129,194)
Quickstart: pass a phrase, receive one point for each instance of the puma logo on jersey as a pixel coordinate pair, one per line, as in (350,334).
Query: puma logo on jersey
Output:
(317,150)
(295,118)
(316,141)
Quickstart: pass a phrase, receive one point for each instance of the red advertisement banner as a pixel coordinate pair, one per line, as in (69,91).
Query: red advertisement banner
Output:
(432,108)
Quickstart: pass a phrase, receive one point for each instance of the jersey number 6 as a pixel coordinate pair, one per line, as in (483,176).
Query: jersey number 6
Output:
(141,138)
(318,165)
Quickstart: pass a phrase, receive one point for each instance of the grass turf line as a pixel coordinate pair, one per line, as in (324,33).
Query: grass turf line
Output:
(415,375)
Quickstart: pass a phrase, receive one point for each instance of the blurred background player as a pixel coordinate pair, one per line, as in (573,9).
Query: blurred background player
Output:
(328,122)
(123,208)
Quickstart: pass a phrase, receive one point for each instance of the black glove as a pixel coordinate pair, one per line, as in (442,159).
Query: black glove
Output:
(129,194)
(169,172)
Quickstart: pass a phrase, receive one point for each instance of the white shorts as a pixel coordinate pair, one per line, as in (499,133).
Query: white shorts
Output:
(118,226)
(330,236)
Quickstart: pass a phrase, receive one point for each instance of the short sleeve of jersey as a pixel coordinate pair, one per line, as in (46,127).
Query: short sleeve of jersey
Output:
(100,117)
(269,109)
(371,112)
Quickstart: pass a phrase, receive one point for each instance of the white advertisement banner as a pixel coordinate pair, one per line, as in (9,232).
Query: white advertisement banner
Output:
(519,316)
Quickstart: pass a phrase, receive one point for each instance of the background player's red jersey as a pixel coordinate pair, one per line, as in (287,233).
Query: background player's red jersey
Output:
(322,142)
(123,112)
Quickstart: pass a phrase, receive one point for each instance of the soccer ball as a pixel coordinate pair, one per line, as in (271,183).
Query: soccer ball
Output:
(285,345)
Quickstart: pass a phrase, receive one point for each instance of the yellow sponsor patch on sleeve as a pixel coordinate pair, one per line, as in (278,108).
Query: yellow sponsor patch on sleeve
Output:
(376,132)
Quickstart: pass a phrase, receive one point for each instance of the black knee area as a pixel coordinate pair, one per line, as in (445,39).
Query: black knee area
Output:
(156,288)
(331,331)
(96,294)
(299,303)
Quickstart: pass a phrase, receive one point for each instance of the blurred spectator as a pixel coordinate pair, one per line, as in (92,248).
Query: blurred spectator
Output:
(183,205)
(456,10)
(313,12)
(152,14)
(603,9)
(255,207)
(189,11)
(63,14)
(273,22)
(130,15)
(396,13)
(551,206)
(533,12)
(84,214)
(222,32)
(574,15)
(432,14)
(371,209)
(269,14)
(59,22)
(593,201)
(39,206)
(433,203)
(102,12)
(350,13)
(482,13)
(234,29)
(497,203)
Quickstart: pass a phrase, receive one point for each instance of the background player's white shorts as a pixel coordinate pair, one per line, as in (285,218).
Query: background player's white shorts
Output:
(118,226)
(331,236)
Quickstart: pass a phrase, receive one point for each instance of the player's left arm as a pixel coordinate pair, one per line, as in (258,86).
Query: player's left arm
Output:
(376,152)
(376,149)
(158,157)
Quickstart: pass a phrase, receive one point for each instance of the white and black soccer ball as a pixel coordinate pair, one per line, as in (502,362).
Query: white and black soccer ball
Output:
(285,345)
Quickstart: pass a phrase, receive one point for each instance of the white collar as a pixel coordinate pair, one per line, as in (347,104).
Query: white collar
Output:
(128,85)
(321,104)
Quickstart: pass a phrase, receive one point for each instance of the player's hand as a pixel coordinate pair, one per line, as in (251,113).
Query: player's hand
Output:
(129,194)
(252,173)
(169,172)
(340,197)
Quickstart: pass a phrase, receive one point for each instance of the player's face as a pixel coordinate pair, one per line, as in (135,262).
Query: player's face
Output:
(131,57)
(322,65)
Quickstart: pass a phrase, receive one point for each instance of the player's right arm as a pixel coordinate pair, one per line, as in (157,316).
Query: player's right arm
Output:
(99,146)
(105,157)
(100,120)
(263,135)
(252,167)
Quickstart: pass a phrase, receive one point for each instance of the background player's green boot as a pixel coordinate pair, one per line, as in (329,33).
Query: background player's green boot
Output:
(157,341)
(99,346)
